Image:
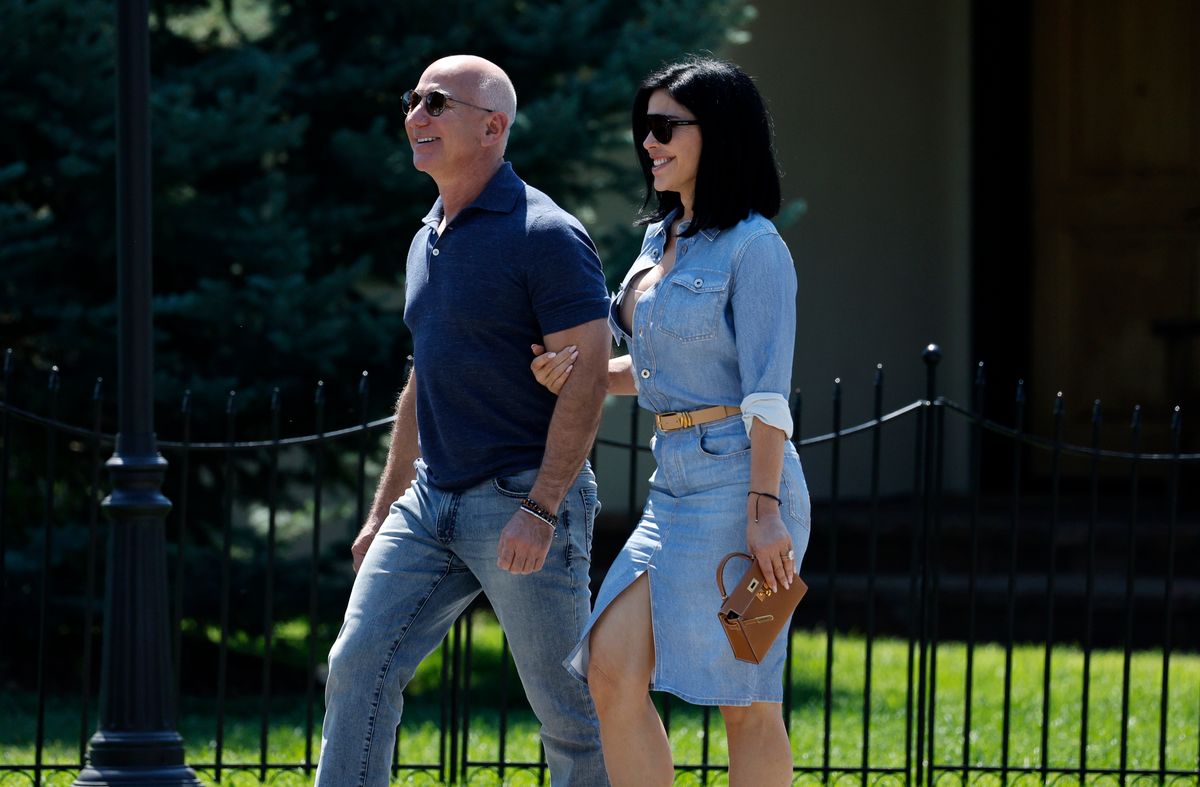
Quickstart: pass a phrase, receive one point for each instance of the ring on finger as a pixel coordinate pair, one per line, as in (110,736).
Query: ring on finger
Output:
(791,555)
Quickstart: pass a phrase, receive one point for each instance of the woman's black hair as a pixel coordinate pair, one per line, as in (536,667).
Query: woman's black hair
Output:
(737,172)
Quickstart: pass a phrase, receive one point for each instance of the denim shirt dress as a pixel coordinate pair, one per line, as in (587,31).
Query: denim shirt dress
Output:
(718,329)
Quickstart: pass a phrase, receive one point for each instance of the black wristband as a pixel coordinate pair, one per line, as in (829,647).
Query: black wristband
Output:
(530,506)
(762,495)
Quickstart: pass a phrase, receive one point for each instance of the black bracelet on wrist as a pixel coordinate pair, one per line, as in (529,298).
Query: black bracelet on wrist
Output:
(761,495)
(530,506)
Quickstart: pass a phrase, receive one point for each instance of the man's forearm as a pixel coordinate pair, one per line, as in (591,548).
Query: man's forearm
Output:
(573,426)
(398,472)
(572,430)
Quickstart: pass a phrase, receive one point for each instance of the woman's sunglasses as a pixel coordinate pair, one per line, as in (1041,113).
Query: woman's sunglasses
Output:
(662,126)
(435,102)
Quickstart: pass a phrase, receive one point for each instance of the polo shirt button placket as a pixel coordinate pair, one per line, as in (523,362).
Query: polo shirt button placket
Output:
(436,252)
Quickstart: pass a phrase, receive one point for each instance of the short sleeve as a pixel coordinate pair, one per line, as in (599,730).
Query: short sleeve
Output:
(763,299)
(566,280)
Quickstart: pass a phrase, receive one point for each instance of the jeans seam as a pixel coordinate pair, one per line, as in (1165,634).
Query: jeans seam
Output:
(381,680)
(566,521)
(582,688)
(451,518)
(587,531)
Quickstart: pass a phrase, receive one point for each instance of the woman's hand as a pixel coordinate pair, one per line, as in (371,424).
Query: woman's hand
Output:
(552,369)
(770,542)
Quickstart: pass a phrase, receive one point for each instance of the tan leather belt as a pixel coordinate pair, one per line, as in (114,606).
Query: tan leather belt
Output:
(669,422)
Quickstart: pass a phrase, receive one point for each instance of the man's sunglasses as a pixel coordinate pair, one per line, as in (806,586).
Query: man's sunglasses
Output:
(662,126)
(435,102)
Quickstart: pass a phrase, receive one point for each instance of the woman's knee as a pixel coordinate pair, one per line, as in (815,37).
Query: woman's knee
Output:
(753,718)
(621,648)
(613,678)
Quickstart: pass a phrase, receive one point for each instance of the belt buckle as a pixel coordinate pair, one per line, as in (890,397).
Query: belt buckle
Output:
(669,422)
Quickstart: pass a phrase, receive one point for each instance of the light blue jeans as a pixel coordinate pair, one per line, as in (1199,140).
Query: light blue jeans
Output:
(434,553)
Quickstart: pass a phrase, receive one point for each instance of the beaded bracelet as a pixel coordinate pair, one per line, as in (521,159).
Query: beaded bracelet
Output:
(529,506)
(761,495)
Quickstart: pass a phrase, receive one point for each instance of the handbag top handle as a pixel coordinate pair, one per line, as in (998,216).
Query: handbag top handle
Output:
(721,570)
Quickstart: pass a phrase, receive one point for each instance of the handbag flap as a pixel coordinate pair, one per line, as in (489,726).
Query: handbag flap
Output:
(752,599)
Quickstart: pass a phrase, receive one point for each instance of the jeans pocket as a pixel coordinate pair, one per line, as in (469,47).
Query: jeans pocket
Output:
(578,520)
(797,508)
(693,302)
(514,486)
(724,439)
(591,507)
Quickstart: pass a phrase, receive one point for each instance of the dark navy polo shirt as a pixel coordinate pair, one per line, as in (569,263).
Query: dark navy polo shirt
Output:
(509,269)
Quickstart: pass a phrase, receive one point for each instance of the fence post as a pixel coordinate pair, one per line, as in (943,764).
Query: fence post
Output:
(932,355)
(89,593)
(44,584)
(5,450)
(137,742)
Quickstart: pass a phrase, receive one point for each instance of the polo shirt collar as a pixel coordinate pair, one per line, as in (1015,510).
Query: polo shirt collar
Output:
(498,196)
(660,229)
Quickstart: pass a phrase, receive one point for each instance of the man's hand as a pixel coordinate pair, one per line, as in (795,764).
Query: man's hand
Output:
(362,542)
(524,544)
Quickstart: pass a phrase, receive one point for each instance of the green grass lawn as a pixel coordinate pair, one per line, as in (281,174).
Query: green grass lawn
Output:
(420,733)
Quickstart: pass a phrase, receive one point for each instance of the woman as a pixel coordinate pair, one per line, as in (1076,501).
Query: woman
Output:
(708,311)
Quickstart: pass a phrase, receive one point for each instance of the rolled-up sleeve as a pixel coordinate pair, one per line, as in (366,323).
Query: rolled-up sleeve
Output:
(764,321)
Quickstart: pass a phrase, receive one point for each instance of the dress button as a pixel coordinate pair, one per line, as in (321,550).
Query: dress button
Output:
(436,252)
(645,374)
(698,283)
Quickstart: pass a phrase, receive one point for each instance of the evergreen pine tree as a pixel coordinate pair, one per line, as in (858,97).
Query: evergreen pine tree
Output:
(284,204)
(284,198)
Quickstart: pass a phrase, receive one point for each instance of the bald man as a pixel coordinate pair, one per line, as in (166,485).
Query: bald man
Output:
(486,486)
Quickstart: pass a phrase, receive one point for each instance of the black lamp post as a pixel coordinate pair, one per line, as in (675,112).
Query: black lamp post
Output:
(137,742)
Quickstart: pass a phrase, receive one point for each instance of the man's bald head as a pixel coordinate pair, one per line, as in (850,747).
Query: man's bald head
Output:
(487,83)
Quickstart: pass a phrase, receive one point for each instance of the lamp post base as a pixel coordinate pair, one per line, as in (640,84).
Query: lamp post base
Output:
(136,758)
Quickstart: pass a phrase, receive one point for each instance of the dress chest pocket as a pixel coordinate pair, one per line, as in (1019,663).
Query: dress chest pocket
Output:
(693,302)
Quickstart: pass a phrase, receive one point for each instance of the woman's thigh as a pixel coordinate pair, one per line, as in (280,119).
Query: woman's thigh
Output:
(621,642)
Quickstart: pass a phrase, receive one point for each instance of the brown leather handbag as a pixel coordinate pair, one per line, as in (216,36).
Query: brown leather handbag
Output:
(752,616)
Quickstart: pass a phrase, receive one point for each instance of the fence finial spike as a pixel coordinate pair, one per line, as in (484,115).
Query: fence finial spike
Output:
(1096,412)
(980,374)
(98,389)
(231,403)
(7,362)
(275,399)
(1176,419)
(1136,422)
(362,382)
(932,354)
(1021,391)
(53,384)
(319,396)
(185,406)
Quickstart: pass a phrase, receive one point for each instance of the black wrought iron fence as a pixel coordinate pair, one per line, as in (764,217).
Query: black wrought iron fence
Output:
(950,633)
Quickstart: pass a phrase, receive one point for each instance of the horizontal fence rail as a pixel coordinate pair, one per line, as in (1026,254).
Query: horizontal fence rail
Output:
(1035,624)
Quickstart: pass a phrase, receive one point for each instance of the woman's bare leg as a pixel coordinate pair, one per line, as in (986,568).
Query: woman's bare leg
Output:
(620,665)
(760,754)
